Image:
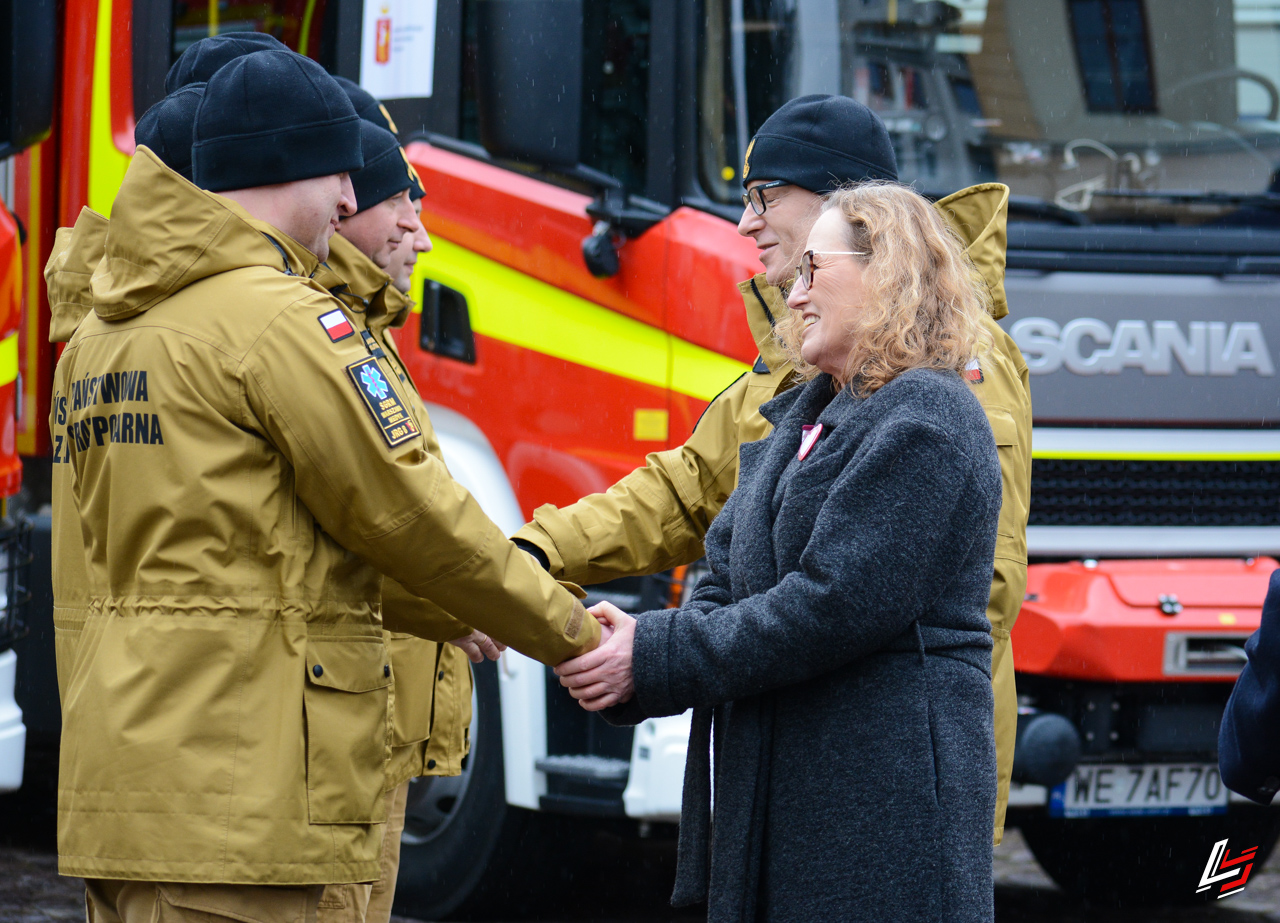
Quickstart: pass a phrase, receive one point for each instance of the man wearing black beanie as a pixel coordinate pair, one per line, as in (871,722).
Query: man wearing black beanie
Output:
(385,189)
(273,119)
(240,457)
(432,682)
(373,253)
(167,126)
(656,516)
(201,60)
(808,148)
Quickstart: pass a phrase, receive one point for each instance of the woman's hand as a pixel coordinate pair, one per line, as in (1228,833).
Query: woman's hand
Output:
(477,646)
(602,677)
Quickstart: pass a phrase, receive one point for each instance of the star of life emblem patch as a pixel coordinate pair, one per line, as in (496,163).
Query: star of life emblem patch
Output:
(336,325)
(973,372)
(384,404)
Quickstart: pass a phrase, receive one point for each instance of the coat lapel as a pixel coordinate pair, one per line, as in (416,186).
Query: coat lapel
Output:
(760,465)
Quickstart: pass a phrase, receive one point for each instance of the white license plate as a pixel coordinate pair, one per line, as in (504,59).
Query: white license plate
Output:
(1122,789)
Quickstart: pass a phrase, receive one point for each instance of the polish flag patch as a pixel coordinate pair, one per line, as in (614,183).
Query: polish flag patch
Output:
(335,324)
(973,372)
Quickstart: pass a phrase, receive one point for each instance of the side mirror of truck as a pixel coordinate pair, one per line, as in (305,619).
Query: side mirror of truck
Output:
(529,79)
(28,67)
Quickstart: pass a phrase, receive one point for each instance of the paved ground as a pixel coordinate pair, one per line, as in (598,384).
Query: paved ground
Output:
(32,892)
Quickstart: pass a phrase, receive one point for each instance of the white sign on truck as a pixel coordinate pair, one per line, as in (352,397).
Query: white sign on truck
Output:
(397,48)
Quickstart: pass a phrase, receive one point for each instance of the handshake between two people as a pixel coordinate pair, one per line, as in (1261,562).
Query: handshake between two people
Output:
(602,678)
(599,678)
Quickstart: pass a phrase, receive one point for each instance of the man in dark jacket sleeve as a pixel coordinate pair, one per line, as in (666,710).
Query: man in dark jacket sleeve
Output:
(1248,745)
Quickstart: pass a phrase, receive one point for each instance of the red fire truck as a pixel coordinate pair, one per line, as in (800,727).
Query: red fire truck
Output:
(579,310)
(24,121)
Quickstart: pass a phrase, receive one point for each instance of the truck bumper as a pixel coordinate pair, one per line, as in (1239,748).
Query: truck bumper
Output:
(656,783)
(13,734)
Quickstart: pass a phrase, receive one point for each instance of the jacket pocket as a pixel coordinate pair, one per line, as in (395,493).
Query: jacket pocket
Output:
(1003,429)
(413,666)
(67,630)
(247,903)
(347,729)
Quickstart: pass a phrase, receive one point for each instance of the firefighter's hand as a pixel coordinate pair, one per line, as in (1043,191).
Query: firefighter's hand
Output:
(477,646)
(602,678)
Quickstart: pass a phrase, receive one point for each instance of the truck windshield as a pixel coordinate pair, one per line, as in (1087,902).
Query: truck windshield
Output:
(1102,111)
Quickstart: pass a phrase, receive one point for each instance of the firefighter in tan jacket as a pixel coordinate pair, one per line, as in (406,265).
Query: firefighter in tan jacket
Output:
(655,518)
(374,253)
(237,456)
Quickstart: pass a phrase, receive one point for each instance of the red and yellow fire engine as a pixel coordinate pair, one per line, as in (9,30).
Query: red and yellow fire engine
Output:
(579,310)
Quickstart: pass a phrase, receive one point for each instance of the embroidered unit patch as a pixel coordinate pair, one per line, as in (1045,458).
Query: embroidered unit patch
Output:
(336,325)
(389,413)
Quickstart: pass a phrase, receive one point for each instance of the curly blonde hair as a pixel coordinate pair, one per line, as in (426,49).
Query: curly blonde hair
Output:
(924,301)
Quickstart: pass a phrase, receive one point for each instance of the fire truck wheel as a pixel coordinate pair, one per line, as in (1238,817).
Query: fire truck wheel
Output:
(1144,861)
(466,854)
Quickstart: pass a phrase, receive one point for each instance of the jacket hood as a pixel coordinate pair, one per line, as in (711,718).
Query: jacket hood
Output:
(166,233)
(76,253)
(365,287)
(980,215)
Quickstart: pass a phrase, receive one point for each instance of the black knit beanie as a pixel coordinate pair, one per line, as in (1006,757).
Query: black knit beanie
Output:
(820,142)
(167,127)
(273,117)
(201,60)
(367,105)
(386,171)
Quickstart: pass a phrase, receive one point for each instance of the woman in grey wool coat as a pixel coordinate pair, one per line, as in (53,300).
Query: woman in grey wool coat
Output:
(839,646)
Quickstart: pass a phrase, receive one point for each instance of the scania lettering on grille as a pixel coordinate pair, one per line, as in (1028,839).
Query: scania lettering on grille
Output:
(383,403)
(1087,346)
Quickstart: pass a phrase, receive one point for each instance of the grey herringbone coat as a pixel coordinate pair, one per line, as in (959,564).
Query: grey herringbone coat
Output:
(841,643)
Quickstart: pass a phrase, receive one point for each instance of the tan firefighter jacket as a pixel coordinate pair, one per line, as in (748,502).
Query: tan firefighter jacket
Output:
(431,683)
(430,678)
(656,517)
(237,460)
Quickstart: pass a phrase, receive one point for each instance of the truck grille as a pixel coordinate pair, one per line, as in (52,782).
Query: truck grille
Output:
(1070,492)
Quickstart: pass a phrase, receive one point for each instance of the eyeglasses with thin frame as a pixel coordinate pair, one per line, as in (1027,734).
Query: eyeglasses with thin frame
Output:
(755,195)
(806,269)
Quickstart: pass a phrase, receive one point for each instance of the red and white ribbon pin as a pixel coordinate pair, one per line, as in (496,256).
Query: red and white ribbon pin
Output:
(810,439)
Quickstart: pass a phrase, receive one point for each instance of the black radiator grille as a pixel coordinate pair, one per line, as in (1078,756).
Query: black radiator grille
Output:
(1070,492)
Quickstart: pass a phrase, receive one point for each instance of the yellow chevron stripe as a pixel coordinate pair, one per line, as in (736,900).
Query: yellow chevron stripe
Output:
(515,308)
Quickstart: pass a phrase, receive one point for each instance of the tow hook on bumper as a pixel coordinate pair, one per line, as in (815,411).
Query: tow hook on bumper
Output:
(1048,748)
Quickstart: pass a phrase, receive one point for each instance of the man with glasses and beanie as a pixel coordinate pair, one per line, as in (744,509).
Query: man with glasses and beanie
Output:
(242,462)
(656,517)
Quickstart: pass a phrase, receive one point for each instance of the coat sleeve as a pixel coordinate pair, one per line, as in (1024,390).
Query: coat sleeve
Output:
(655,517)
(404,612)
(396,505)
(711,593)
(896,524)
(1248,745)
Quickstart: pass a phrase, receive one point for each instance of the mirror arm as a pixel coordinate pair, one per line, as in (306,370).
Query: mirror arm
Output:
(618,217)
